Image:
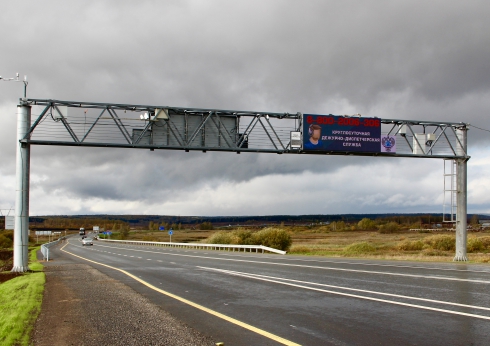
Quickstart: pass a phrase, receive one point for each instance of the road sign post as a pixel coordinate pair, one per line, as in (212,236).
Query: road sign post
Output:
(170,234)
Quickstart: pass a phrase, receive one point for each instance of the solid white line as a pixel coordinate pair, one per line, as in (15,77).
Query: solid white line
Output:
(368,264)
(250,255)
(251,275)
(361,297)
(323,268)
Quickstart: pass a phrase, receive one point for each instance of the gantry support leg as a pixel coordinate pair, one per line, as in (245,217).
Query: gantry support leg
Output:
(21,228)
(461,198)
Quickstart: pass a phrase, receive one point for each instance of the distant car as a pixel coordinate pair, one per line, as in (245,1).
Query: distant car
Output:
(87,241)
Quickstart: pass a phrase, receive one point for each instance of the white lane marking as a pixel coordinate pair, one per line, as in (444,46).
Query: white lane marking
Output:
(356,296)
(250,255)
(251,275)
(323,268)
(360,263)
(148,259)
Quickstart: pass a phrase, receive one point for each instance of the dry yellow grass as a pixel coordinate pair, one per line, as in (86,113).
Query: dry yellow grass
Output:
(322,242)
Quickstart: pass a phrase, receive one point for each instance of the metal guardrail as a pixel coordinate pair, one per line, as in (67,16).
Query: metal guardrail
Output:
(432,229)
(218,247)
(45,248)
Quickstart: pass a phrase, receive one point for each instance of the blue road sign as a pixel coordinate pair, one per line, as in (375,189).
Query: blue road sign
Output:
(161,228)
(170,232)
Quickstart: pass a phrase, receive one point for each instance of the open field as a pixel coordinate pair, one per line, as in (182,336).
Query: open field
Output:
(431,246)
(319,241)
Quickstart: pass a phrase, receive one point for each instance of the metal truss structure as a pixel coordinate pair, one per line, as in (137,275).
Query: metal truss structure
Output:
(89,124)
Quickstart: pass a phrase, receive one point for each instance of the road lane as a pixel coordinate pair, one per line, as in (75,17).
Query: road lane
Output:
(230,283)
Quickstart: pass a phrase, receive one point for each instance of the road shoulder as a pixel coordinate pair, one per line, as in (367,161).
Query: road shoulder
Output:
(82,306)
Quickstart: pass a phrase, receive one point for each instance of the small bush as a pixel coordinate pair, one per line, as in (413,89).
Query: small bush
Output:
(359,248)
(124,231)
(206,226)
(474,245)
(366,224)
(242,237)
(276,238)
(390,227)
(411,245)
(486,242)
(9,234)
(5,242)
(441,242)
(221,237)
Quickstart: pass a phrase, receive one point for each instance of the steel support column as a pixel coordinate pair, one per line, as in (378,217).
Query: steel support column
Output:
(21,228)
(461,197)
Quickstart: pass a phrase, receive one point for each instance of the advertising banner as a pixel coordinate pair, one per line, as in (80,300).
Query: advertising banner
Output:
(346,134)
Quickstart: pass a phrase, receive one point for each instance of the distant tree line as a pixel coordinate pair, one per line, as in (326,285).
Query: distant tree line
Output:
(180,222)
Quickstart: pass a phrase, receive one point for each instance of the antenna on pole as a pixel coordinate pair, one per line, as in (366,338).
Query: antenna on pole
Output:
(17,79)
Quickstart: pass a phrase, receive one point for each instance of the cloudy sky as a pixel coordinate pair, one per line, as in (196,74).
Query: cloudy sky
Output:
(390,59)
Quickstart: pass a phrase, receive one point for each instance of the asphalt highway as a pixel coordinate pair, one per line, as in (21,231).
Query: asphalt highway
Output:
(257,299)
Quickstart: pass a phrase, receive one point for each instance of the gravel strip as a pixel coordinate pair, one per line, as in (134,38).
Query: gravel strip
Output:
(82,306)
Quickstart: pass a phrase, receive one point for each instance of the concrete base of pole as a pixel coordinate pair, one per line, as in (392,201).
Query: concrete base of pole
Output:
(18,269)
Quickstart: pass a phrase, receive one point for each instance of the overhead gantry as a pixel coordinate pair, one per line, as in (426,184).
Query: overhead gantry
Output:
(91,124)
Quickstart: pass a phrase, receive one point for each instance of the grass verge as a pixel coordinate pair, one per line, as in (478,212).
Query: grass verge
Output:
(20,304)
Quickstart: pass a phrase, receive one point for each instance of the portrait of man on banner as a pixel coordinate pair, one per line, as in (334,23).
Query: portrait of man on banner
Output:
(315,133)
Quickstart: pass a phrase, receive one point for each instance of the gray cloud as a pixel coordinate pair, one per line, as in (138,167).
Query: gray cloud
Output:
(404,59)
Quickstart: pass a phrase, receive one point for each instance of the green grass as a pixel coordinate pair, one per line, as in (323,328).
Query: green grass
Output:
(34,264)
(20,304)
